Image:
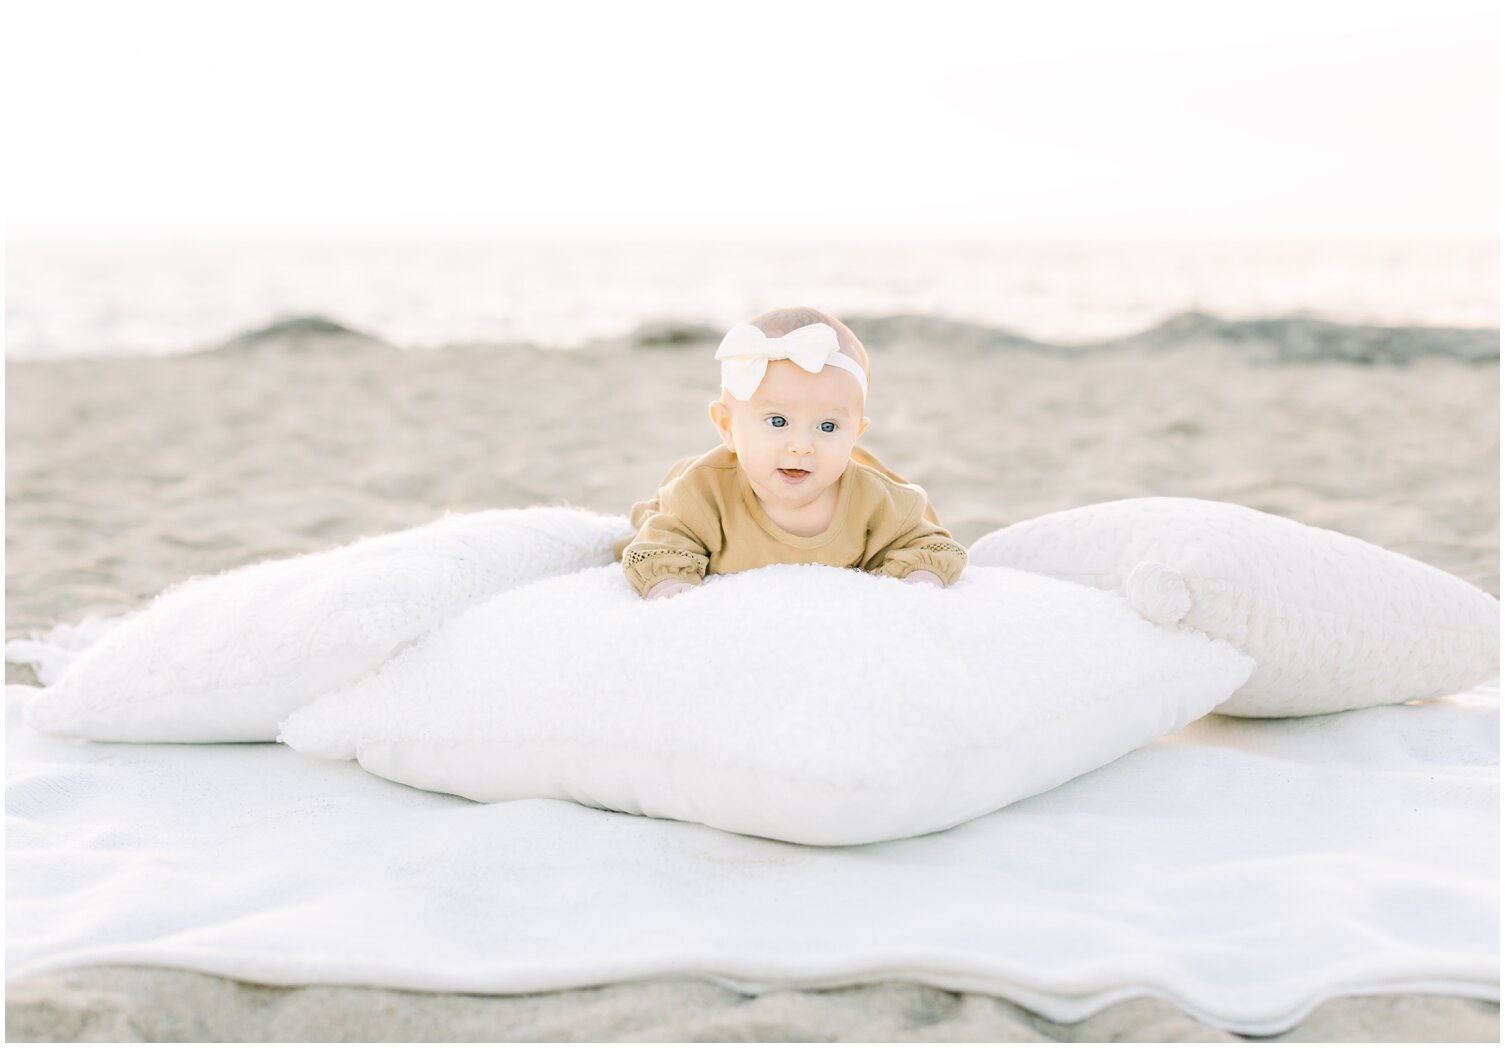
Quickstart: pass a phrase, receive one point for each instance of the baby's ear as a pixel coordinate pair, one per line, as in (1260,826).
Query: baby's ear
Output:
(862,426)
(721,418)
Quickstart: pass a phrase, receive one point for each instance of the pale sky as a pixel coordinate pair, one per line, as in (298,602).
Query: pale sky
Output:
(1221,118)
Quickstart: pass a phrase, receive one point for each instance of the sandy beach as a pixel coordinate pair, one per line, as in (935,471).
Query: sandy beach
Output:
(125,476)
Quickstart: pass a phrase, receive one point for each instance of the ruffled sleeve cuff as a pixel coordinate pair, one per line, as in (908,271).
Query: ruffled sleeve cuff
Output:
(945,558)
(645,567)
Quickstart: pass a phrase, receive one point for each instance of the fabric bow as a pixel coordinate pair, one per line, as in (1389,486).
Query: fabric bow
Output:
(745,352)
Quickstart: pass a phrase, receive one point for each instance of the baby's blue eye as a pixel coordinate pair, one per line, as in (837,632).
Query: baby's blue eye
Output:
(777,421)
(828,427)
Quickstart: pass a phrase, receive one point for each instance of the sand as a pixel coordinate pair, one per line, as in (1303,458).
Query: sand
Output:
(126,476)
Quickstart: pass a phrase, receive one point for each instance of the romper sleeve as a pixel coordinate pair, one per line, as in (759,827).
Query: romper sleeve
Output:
(865,458)
(921,544)
(671,537)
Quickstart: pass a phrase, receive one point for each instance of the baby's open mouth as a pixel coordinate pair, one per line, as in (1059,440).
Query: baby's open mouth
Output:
(794,472)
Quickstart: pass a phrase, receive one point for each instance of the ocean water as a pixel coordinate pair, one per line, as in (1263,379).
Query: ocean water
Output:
(158,298)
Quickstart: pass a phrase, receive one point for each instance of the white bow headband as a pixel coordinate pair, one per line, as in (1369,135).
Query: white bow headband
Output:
(745,352)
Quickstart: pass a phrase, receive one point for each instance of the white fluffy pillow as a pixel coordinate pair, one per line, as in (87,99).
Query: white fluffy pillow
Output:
(799,702)
(224,658)
(1333,622)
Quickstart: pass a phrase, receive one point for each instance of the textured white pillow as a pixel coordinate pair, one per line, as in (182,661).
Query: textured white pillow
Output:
(805,703)
(1333,622)
(224,658)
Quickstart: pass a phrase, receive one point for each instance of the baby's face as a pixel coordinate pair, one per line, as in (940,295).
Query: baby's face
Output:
(794,438)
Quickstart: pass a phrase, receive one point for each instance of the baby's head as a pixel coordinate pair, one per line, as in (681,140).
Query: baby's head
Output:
(793,435)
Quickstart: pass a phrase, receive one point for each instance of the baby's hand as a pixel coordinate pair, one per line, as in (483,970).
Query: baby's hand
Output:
(927,577)
(668,588)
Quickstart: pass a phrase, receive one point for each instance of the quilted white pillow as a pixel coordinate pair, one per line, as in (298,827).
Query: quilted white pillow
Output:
(224,658)
(1333,622)
(805,703)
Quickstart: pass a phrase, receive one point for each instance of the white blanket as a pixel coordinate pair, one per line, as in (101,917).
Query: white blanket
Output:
(1246,870)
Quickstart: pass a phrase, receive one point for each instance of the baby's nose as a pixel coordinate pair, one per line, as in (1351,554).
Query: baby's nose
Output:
(801,446)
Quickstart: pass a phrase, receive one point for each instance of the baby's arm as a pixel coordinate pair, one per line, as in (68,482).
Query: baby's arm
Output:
(925,552)
(667,554)
(664,551)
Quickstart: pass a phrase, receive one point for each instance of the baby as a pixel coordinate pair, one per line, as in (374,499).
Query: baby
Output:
(788,484)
